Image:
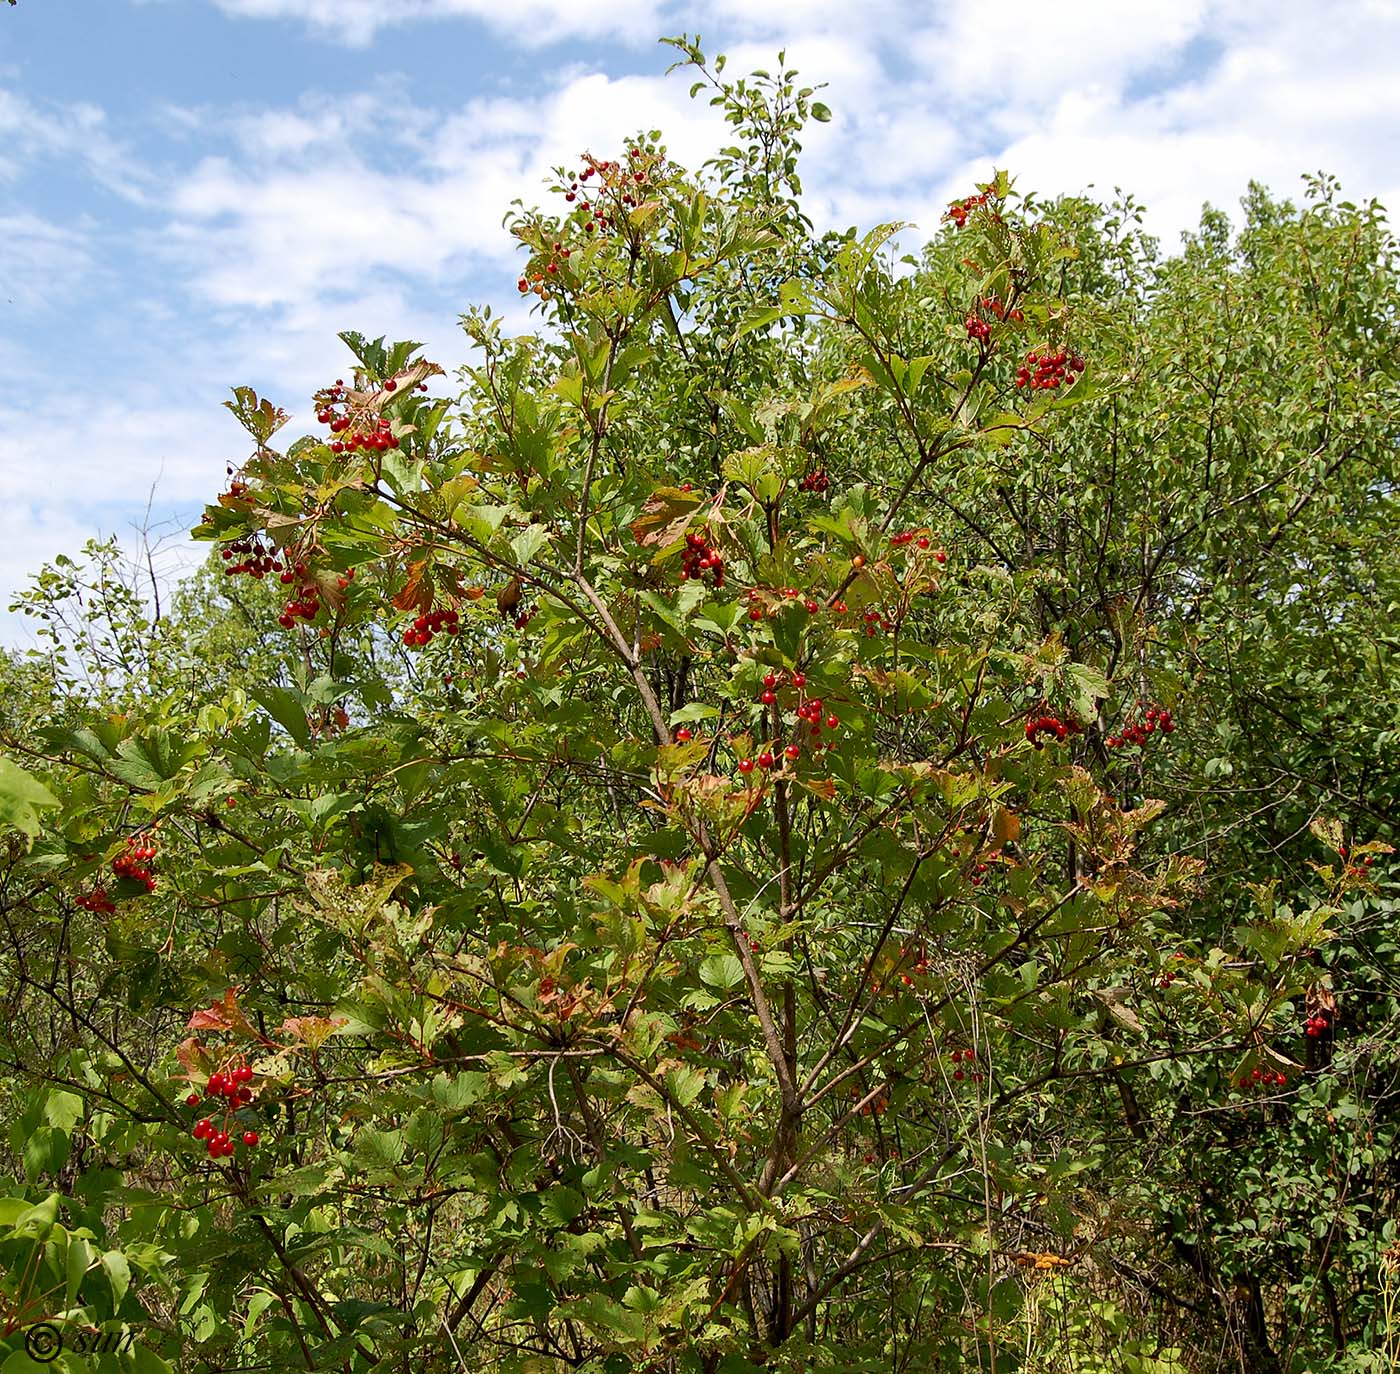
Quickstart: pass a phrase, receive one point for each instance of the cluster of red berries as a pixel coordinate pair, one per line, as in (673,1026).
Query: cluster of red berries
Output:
(1317,1025)
(327,400)
(1356,870)
(615,180)
(919,539)
(920,964)
(699,560)
(1155,718)
(816,481)
(875,621)
(1051,370)
(757,608)
(525,617)
(959,210)
(538,282)
(306,605)
(233,1088)
(135,863)
(1262,1078)
(1052,725)
(977,328)
(379,439)
(963,1057)
(809,712)
(258,559)
(979,873)
(876,1108)
(333,409)
(97,900)
(425,627)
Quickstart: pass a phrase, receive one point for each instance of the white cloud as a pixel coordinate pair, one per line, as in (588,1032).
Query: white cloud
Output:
(303,215)
(40,263)
(1000,57)
(1288,95)
(75,133)
(532,23)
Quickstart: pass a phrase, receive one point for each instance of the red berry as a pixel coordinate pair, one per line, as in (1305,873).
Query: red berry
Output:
(768,698)
(192,1100)
(770,680)
(746,765)
(799,680)
(250,1138)
(682,735)
(765,759)
(792,751)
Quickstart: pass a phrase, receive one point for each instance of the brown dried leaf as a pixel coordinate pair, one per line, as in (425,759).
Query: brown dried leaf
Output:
(508,598)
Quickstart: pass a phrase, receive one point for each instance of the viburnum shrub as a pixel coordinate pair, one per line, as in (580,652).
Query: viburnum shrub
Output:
(660,920)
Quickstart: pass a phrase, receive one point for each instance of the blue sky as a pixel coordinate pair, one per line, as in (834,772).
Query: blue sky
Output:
(201,193)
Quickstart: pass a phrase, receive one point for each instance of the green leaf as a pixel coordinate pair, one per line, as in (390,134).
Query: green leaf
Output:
(759,317)
(285,708)
(528,543)
(45,1152)
(22,796)
(144,1360)
(561,1205)
(820,112)
(118,1271)
(63,1109)
(722,971)
(76,1264)
(146,761)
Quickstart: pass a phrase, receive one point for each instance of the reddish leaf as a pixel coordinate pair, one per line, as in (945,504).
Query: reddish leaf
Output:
(222,1016)
(417,593)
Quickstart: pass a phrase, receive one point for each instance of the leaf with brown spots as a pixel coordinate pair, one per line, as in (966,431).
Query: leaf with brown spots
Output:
(665,516)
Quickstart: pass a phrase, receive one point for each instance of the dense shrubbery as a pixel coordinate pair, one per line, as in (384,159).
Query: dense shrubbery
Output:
(823,813)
